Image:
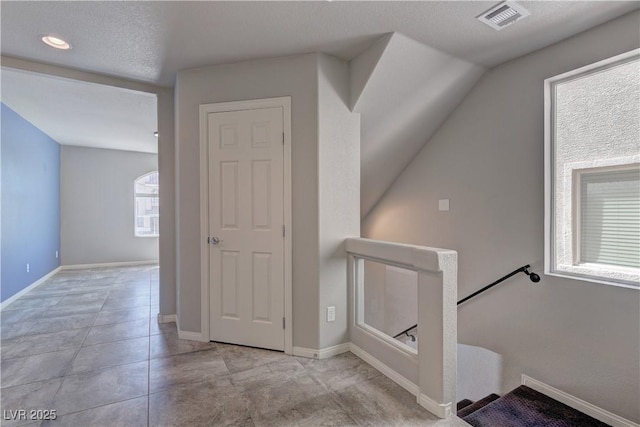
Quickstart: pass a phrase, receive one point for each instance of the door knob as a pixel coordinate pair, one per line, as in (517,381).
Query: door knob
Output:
(214,240)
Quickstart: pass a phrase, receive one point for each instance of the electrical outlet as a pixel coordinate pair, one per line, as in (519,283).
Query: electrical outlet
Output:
(331,314)
(27,267)
(56,254)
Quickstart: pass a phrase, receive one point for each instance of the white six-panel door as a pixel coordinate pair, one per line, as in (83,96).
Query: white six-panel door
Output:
(246,217)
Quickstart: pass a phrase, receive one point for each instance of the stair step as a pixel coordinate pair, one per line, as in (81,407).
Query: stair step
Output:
(477,405)
(463,404)
(525,407)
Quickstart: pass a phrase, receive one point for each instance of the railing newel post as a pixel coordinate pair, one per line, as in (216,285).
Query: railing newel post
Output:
(437,336)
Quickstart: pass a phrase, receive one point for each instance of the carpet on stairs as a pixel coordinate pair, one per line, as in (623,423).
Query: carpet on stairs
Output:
(463,404)
(525,407)
(477,405)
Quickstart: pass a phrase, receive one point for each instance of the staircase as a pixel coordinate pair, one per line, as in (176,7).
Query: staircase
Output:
(522,407)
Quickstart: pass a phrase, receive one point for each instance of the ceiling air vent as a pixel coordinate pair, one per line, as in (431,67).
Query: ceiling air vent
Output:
(503,14)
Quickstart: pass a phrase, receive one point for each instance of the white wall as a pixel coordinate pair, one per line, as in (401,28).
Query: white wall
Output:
(487,158)
(479,372)
(97,206)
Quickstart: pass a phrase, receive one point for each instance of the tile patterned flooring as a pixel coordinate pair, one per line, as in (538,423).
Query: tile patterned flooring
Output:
(86,343)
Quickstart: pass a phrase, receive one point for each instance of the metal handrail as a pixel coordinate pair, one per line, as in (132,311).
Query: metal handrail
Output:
(524,269)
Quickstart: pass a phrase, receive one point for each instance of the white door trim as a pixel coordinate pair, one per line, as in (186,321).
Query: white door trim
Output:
(205,109)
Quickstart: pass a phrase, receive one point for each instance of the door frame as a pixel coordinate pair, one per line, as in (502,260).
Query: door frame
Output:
(205,109)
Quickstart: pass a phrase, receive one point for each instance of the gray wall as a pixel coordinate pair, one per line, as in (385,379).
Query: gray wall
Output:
(410,92)
(166,166)
(325,181)
(291,76)
(97,206)
(339,193)
(487,158)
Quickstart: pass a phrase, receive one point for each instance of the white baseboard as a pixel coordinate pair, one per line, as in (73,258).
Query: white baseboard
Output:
(386,371)
(305,352)
(191,336)
(34,285)
(167,318)
(438,409)
(578,404)
(334,350)
(109,264)
(186,335)
(323,353)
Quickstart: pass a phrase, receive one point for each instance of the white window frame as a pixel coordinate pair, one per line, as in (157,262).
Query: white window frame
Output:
(616,276)
(135,213)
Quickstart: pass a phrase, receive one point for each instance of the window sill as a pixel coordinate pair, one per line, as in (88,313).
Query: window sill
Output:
(627,280)
(147,237)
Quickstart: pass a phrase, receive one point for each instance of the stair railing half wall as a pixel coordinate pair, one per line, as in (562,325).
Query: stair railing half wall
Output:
(524,269)
(429,373)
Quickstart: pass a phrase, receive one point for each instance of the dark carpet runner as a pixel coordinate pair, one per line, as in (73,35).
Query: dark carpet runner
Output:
(525,407)
(477,405)
(463,404)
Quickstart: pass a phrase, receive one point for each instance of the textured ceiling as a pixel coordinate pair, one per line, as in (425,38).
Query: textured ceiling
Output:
(84,114)
(150,41)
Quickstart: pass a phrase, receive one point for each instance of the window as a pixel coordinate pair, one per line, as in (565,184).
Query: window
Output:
(608,226)
(592,168)
(147,205)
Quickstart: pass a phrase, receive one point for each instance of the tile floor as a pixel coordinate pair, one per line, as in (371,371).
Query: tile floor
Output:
(86,343)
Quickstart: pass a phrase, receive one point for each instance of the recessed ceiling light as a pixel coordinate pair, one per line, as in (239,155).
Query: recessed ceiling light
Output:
(56,42)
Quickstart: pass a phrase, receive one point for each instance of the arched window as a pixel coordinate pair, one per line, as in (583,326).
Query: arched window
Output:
(147,205)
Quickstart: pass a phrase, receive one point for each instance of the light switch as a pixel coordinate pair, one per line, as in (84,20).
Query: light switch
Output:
(443,204)
(331,314)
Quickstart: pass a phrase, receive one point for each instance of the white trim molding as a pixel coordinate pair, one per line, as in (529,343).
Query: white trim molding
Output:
(578,404)
(309,353)
(187,335)
(109,264)
(190,336)
(34,285)
(323,353)
(167,318)
(377,364)
(284,103)
(442,411)
(385,370)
